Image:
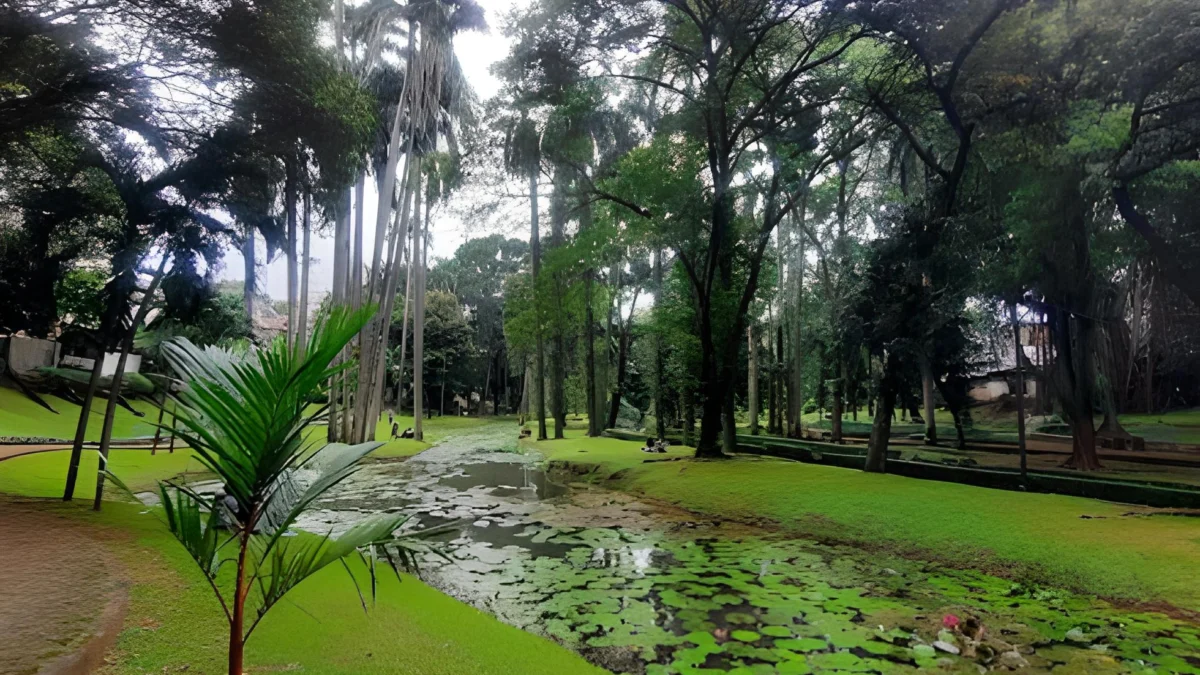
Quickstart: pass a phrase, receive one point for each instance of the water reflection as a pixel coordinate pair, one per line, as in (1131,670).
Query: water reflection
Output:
(635,591)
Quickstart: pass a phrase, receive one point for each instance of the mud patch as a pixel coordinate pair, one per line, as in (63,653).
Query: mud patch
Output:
(64,597)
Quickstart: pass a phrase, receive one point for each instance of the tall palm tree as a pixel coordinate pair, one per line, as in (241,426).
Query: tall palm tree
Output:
(522,158)
(246,418)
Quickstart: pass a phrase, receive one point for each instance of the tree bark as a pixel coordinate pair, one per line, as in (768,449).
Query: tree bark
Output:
(660,379)
(881,426)
(418,258)
(752,379)
(535,250)
(558,354)
(795,403)
(110,411)
(1020,393)
(251,272)
(381,327)
(302,327)
(1073,367)
(408,298)
(614,408)
(839,370)
(341,253)
(605,365)
(289,198)
(237,640)
(927,400)
(85,412)
(589,339)
(356,250)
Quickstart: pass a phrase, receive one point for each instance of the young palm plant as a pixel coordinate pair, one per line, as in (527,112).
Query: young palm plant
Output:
(245,416)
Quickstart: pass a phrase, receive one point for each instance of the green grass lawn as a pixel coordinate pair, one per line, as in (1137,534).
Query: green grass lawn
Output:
(21,416)
(1180,426)
(43,474)
(435,429)
(1040,537)
(174,623)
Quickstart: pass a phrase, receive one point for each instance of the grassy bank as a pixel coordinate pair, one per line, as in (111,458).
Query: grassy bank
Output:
(21,416)
(175,624)
(992,422)
(435,429)
(1085,545)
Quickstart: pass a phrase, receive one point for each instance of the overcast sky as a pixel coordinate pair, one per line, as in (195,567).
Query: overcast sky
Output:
(476,52)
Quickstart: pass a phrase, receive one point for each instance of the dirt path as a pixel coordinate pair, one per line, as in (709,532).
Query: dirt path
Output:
(62,593)
(8,451)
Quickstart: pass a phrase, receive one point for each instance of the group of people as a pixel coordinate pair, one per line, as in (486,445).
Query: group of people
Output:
(654,445)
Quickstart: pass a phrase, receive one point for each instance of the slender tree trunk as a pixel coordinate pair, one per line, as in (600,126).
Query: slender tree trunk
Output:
(1135,339)
(487,383)
(174,419)
(927,400)
(162,409)
(839,367)
(251,272)
(1020,390)
(752,384)
(418,259)
(689,416)
(341,252)
(289,198)
(110,411)
(380,328)
(603,378)
(589,339)
(660,377)
(795,404)
(881,427)
(1148,385)
(523,406)
(408,299)
(85,412)
(712,407)
(356,251)
(442,402)
(614,409)
(1073,382)
(781,376)
(535,248)
(558,354)
(237,640)
(302,327)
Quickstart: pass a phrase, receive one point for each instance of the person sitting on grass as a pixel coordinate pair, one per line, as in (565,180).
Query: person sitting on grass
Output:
(654,446)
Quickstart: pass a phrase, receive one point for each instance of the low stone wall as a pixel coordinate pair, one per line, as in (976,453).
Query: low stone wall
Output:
(26,355)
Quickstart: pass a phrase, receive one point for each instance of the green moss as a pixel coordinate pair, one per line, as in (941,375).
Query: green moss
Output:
(1086,545)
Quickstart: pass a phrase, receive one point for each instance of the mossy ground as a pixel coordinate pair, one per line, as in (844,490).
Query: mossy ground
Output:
(1085,545)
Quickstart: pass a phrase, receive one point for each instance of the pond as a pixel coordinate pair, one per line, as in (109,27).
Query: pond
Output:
(637,587)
